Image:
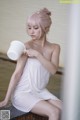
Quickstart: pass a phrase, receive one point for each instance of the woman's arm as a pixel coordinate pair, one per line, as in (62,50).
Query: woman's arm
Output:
(14,79)
(52,65)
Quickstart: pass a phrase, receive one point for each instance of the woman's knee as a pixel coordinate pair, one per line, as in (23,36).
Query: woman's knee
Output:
(54,112)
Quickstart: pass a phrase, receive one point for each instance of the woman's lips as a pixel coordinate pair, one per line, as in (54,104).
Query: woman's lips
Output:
(32,35)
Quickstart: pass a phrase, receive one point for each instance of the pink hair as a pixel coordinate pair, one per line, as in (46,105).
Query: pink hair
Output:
(41,18)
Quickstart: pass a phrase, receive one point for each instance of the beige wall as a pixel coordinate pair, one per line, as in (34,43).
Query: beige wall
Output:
(13,15)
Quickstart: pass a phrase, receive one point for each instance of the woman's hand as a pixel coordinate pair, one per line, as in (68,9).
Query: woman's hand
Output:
(3,103)
(31,52)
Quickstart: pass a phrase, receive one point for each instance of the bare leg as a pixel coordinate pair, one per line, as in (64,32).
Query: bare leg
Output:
(47,109)
(57,103)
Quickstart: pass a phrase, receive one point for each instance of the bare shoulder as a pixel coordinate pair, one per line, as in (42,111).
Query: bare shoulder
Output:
(27,44)
(54,46)
(56,49)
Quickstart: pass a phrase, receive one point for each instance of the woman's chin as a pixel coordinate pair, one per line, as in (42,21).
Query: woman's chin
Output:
(34,38)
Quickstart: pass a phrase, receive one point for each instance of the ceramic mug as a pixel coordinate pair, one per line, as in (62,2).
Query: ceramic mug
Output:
(15,50)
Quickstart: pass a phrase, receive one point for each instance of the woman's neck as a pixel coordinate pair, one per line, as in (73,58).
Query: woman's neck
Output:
(40,42)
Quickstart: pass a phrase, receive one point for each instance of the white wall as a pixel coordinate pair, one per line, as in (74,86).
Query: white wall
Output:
(13,15)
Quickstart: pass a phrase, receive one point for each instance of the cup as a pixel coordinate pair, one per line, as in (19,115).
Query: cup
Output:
(15,50)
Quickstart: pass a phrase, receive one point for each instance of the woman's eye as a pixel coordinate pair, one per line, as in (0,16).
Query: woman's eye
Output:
(29,28)
(36,28)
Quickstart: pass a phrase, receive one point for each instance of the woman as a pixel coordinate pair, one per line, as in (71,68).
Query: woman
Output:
(34,67)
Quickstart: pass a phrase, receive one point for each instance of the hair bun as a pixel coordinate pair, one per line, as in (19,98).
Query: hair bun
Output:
(46,11)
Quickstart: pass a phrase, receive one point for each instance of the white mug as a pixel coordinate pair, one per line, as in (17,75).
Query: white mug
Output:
(15,50)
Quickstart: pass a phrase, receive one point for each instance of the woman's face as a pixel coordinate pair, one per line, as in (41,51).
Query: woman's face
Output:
(34,31)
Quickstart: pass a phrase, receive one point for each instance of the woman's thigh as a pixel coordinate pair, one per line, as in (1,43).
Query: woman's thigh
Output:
(57,103)
(44,108)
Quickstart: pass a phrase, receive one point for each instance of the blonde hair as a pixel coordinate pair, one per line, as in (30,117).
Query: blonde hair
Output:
(41,18)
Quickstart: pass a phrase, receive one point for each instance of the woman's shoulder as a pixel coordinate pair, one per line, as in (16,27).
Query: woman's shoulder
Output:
(27,44)
(53,45)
